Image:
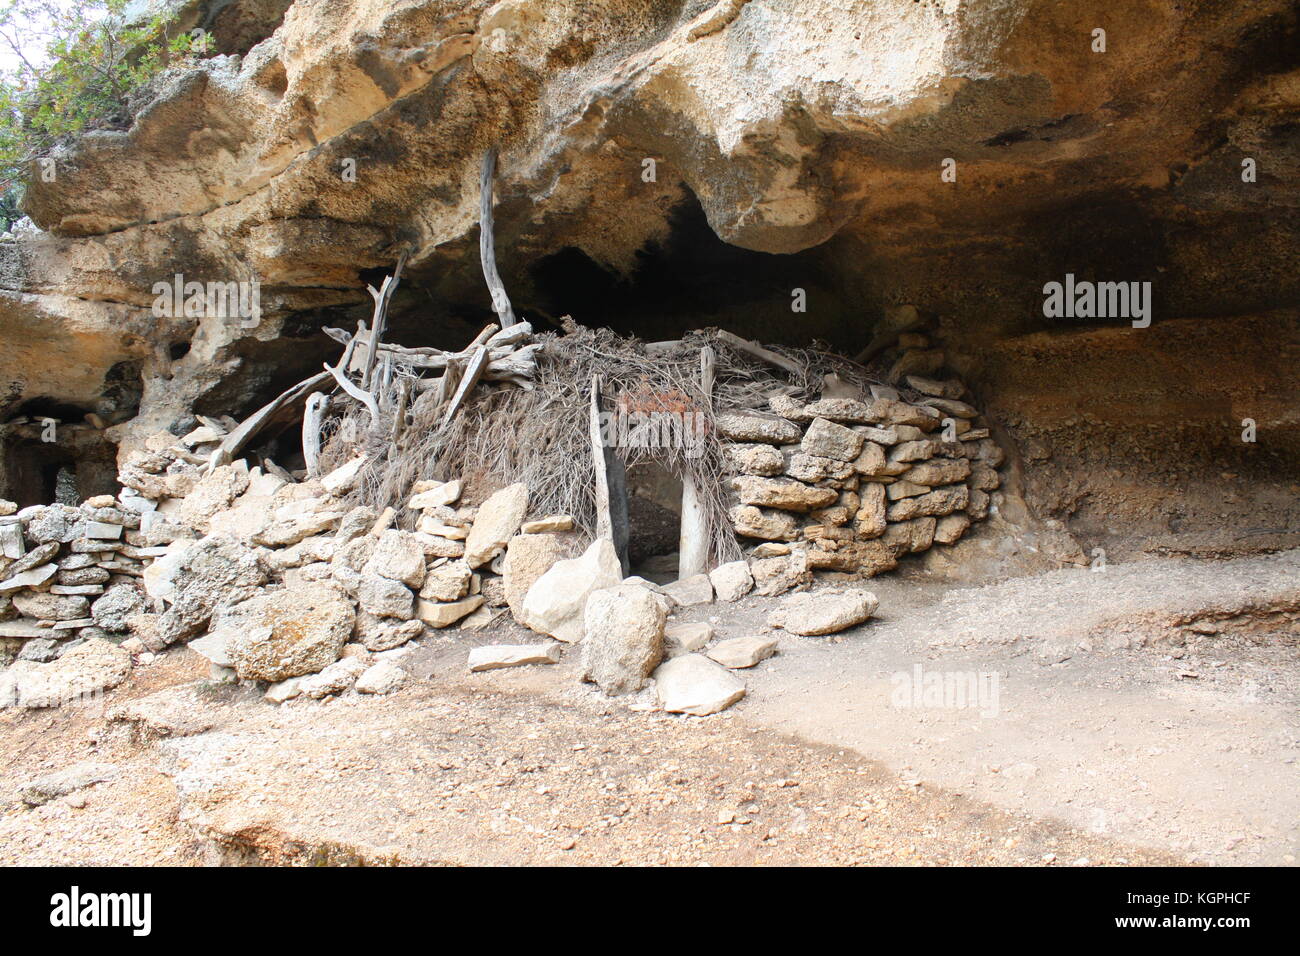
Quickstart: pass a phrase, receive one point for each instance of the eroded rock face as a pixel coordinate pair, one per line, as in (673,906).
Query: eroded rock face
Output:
(816,129)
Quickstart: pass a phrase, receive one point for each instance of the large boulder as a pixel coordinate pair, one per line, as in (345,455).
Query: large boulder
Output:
(554,604)
(528,557)
(217,571)
(624,638)
(287,633)
(497,521)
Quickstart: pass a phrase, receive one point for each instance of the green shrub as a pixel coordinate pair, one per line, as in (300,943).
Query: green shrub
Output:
(73,66)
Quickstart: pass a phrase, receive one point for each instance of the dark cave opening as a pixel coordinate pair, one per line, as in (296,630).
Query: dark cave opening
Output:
(694,279)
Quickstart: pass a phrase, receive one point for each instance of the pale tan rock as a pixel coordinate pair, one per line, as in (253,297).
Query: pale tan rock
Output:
(688,592)
(950,528)
(527,558)
(753,459)
(827,611)
(777,575)
(686,638)
(550,523)
(938,471)
(623,639)
(447,582)
(731,581)
(398,555)
(826,439)
(693,684)
(941,501)
(781,493)
(496,656)
(287,633)
(764,524)
(498,520)
(342,479)
(555,602)
(445,493)
(444,614)
(739,653)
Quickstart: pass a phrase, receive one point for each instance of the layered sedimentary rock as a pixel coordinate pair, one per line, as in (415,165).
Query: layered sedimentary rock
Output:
(670,165)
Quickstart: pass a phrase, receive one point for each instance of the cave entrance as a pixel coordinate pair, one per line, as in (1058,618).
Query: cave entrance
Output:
(654,517)
(79,463)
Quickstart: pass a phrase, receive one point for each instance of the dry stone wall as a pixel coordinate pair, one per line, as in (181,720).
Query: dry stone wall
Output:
(852,485)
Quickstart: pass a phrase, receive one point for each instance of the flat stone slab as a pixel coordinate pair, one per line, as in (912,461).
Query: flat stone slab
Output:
(693,684)
(495,656)
(742,652)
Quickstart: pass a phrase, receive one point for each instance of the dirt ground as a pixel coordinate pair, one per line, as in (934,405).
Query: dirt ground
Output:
(1145,714)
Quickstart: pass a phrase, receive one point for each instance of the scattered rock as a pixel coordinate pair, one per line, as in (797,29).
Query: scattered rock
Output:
(384,597)
(773,576)
(116,606)
(693,684)
(439,615)
(308,627)
(284,690)
(382,678)
(62,782)
(215,572)
(554,604)
(341,479)
(495,656)
(447,582)
(398,556)
(527,558)
(686,638)
(624,638)
(824,612)
(731,581)
(548,524)
(688,592)
(741,652)
(334,679)
(78,673)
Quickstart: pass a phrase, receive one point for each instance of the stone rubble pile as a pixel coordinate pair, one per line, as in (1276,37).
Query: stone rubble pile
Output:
(851,485)
(285,582)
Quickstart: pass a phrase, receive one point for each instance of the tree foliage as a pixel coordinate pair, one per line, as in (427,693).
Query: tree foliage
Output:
(71,66)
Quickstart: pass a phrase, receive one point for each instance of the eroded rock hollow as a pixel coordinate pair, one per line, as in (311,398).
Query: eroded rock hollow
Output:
(791,172)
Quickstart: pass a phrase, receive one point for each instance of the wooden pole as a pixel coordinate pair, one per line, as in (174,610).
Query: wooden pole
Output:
(486,244)
(611,484)
(693,540)
(317,402)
